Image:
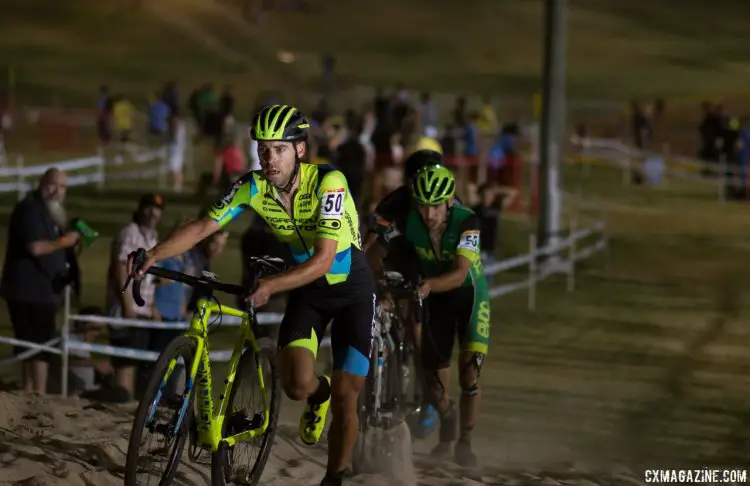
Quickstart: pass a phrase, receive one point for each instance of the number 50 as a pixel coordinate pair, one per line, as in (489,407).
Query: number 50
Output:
(333,201)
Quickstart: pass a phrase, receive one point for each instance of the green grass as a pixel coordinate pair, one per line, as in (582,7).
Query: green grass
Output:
(61,51)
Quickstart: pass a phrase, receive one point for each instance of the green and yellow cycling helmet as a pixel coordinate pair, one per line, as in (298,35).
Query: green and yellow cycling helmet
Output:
(433,185)
(280,123)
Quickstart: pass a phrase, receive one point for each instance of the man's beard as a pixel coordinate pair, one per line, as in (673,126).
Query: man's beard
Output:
(57,211)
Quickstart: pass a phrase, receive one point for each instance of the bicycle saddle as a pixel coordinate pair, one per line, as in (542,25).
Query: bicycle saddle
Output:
(265,265)
(393,278)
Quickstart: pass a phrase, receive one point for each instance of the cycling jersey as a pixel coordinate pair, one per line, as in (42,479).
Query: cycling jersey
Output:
(470,303)
(322,208)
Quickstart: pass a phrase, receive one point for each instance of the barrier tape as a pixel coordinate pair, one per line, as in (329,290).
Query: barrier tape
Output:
(28,344)
(264,318)
(138,354)
(29,352)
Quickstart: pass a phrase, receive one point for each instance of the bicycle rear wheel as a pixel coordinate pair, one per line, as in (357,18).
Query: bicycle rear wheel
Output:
(147,417)
(227,464)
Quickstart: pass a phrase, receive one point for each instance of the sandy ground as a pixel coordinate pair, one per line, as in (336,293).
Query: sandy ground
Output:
(50,441)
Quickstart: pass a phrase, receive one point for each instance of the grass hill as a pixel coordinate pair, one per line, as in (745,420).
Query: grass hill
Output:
(61,51)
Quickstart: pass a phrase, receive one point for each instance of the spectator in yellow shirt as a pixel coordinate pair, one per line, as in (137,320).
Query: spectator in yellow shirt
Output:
(123,112)
(487,122)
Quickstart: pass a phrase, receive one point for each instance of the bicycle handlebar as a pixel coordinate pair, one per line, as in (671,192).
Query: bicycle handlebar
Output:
(405,289)
(261,267)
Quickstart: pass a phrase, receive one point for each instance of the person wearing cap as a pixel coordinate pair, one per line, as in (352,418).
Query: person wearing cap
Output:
(139,233)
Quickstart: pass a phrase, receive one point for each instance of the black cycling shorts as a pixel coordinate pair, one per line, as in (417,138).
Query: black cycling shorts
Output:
(458,313)
(349,305)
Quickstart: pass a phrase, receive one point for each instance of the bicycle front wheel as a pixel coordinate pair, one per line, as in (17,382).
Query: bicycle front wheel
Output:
(164,415)
(244,463)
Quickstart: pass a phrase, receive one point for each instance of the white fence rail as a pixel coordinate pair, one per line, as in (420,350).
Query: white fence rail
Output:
(630,159)
(87,170)
(561,258)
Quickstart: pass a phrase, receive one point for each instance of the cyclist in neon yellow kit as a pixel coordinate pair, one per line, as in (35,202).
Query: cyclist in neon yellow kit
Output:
(310,209)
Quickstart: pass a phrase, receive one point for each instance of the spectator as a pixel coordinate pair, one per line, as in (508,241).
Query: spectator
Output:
(226,102)
(328,64)
(229,165)
(200,257)
(158,119)
(743,152)
(382,107)
(365,137)
(123,113)
(710,131)
(322,112)
(643,127)
(401,106)
(487,121)
(351,159)
(170,300)
(428,114)
(35,270)
(471,145)
(459,112)
(140,233)
(86,372)
(178,141)
(448,143)
(492,200)
(171,96)
(103,121)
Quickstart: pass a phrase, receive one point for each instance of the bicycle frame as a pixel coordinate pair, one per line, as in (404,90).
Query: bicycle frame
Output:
(209,419)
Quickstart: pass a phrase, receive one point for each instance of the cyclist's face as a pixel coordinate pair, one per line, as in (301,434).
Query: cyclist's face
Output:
(434,216)
(277,160)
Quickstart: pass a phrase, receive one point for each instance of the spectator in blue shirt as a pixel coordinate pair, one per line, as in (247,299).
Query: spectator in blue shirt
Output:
(170,302)
(158,117)
(471,140)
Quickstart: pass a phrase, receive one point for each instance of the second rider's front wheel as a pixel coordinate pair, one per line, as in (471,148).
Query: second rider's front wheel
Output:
(244,463)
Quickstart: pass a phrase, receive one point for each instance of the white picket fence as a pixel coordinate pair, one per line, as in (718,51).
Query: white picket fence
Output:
(561,259)
(629,159)
(21,178)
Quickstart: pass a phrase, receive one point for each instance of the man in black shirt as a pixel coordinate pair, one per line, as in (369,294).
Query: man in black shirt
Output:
(35,271)
(351,158)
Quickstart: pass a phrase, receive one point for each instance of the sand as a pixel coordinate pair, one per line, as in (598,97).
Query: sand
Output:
(54,441)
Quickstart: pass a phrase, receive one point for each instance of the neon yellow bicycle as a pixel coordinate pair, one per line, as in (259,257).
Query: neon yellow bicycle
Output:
(189,410)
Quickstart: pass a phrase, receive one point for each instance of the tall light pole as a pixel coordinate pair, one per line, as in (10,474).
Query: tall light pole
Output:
(552,133)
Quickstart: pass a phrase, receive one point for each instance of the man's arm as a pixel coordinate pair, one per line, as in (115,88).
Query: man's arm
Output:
(454,278)
(314,268)
(47,247)
(33,234)
(184,238)
(467,255)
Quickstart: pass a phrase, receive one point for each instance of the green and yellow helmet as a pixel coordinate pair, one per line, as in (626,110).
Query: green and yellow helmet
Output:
(433,185)
(280,123)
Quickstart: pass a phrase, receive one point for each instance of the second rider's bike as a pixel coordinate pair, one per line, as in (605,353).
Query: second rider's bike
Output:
(387,400)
